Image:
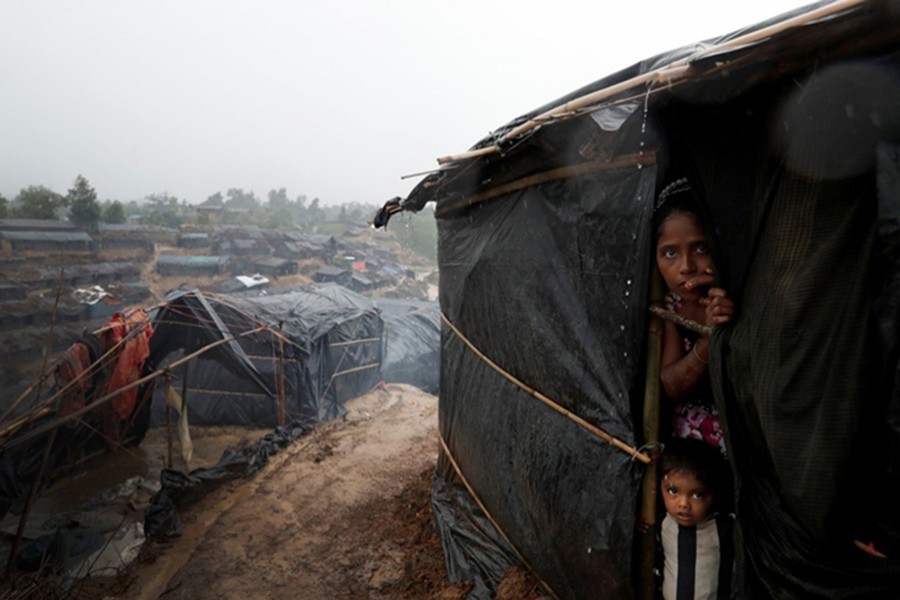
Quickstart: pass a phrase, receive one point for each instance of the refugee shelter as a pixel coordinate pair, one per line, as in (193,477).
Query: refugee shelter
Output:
(198,266)
(292,356)
(788,132)
(412,343)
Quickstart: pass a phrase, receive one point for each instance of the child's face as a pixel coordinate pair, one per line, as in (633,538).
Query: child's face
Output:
(682,253)
(686,498)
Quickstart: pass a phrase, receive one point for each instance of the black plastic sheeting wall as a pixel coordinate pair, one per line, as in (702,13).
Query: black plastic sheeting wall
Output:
(332,353)
(412,343)
(550,283)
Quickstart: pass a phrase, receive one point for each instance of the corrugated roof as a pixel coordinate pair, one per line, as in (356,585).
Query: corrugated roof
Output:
(46,236)
(194,261)
(22,224)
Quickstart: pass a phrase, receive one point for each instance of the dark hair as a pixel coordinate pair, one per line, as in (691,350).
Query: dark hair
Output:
(699,459)
(676,197)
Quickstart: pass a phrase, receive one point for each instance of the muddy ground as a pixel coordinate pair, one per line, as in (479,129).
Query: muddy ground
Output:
(344,512)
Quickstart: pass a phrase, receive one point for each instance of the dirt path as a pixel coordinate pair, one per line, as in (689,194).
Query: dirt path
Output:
(342,513)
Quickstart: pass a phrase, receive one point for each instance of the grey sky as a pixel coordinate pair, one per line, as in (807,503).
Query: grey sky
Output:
(330,99)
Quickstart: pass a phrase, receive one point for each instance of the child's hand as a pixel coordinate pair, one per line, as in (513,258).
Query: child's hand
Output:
(719,307)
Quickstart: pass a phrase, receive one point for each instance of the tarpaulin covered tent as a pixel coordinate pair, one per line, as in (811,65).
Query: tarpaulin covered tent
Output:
(331,352)
(412,344)
(789,132)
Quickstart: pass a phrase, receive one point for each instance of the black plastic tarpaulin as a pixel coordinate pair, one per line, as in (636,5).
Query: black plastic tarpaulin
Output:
(331,352)
(788,131)
(412,343)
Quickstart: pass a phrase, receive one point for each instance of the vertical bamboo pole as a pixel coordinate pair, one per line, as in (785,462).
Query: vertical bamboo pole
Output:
(51,437)
(168,421)
(29,501)
(650,483)
(281,408)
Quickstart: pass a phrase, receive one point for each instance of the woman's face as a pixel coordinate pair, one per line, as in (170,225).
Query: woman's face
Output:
(682,253)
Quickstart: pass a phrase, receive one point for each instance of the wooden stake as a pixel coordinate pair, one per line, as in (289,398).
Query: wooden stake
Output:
(650,482)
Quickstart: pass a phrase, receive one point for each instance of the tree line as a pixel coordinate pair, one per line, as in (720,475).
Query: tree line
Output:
(81,206)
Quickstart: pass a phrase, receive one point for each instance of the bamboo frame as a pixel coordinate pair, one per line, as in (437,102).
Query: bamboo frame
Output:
(669,74)
(617,443)
(628,160)
(674,317)
(477,500)
(103,400)
(650,482)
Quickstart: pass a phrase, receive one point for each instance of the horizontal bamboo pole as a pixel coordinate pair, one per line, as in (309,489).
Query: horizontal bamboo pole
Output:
(679,70)
(630,450)
(103,400)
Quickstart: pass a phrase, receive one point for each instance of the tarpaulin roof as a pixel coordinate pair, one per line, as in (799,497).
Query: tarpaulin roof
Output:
(331,352)
(789,132)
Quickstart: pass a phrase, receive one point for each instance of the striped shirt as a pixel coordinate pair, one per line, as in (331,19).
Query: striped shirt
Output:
(698,561)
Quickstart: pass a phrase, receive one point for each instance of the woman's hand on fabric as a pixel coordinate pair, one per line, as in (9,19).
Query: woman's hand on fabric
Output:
(719,306)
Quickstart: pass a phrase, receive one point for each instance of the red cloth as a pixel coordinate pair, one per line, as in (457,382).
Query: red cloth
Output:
(134,325)
(71,368)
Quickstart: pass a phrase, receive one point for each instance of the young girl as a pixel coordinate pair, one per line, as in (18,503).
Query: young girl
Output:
(698,551)
(682,255)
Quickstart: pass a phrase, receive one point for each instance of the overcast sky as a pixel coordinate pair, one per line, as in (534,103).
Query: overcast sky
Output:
(327,98)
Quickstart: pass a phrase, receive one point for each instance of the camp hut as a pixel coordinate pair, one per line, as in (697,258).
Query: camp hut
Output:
(204,266)
(115,236)
(360,283)
(304,353)
(788,132)
(36,225)
(412,343)
(44,241)
(329,274)
(270,265)
(10,291)
(193,240)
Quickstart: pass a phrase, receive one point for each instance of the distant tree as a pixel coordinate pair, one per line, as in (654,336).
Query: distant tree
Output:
(215,200)
(418,232)
(164,210)
(278,199)
(280,211)
(84,210)
(237,198)
(38,202)
(114,213)
(4,207)
(315,214)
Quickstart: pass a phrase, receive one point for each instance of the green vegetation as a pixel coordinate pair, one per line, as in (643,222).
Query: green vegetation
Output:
(416,232)
(37,202)
(84,210)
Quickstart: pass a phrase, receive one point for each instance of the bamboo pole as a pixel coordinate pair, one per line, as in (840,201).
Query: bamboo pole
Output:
(168,421)
(44,375)
(677,71)
(29,501)
(634,453)
(674,317)
(100,401)
(281,374)
(650,482)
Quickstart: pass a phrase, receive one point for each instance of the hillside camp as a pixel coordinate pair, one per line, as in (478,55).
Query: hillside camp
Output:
(550,416)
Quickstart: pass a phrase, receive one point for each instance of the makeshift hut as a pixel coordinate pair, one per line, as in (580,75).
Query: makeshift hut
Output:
(319,346)
(789,132)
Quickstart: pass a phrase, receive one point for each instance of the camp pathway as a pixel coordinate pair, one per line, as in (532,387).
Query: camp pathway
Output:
(339,514)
